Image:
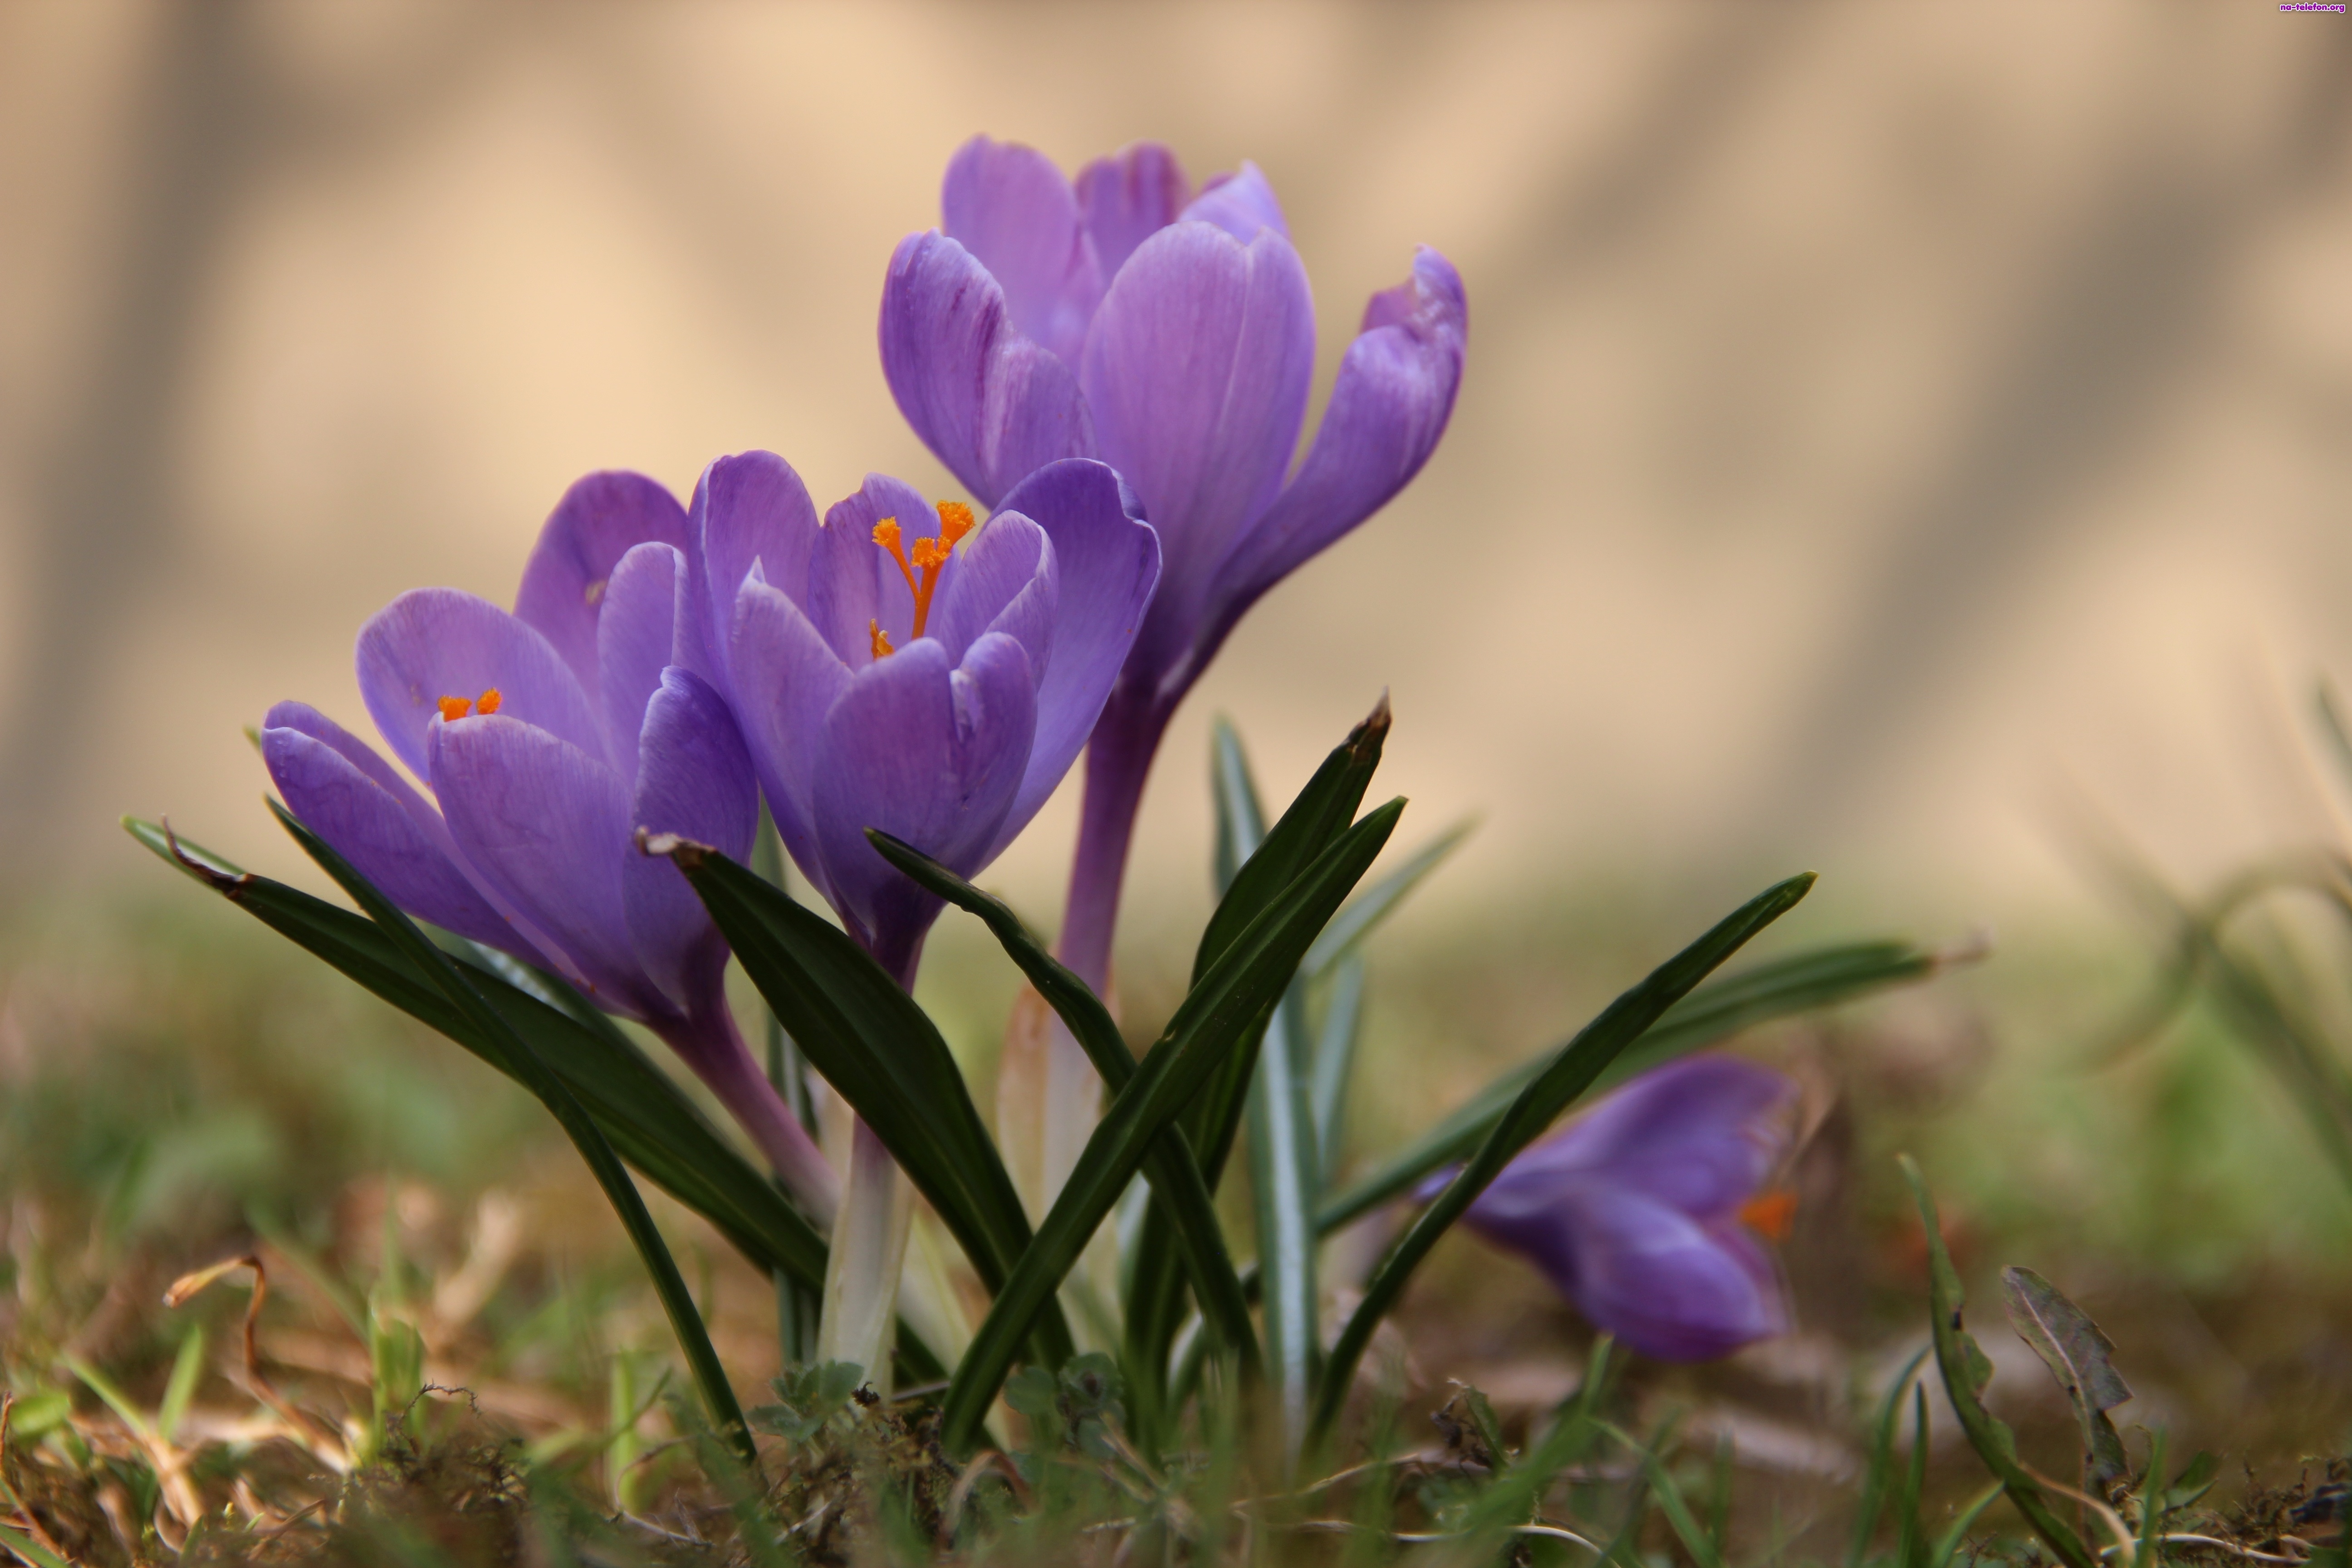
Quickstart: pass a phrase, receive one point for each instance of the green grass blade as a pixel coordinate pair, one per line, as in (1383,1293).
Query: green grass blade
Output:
(1570,1073)
(1208,1024)
(1947,1545)
(648,1118)
(1368,909)
(31,1551)
(524,1063)
(1335,1064)
(883,1054)
(1873,1498)
(1910,1543)
(2152,1510)
(1797,983)
(187,1367)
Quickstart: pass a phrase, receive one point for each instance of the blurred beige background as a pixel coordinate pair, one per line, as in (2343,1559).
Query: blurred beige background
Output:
(1882,420)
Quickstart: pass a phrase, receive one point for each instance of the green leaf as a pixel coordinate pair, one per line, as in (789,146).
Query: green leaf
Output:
(650,1121)
(1368,909)
(1569,1074)
(2077,1355)
(1965,1372)
(187,1367)
(1797,983)
(2193,1482)
(1208,1024)
(1882,1463)
(31,1551)
(1947,1545)
(1175,1175)
(882,1053)
(1335,1062)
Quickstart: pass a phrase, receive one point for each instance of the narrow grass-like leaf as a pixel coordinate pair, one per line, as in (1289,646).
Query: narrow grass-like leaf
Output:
(1947,1545)
(883,1054)
(1335,1064)
(650,1121)
(1208,1024)
(1965,1371)
(1797,983)
(1677,1509)
(186,1368)
(30,1550)
(522,1062)
(1910,1537)
(2152,1510)
(1567,1075)
(1873,1498)
(1174,1172)
(2078,1356)
(1368,909)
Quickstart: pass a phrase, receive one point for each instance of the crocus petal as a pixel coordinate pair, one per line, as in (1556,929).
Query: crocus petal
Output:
(787,679)
(1700,1134)
(748,508)
(1008,206)
(432,643)
(990,402)
(1197,374)
(1391,404)
(636,640)
(695,780)
(1240,204)
(1004,581)
(1108,563)
(545,825)
(1667,1285)
(600,519)
(350,797)
(1129,196)
(932,754)
(854,583)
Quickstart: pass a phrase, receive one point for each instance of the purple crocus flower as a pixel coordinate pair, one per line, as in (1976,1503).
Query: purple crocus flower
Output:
(1169,333)
(547,738)
(886,677)
(1643,1211)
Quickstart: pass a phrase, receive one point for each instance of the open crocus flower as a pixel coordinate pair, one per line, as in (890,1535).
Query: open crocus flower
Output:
(1644,1211)
(547,737)
(1169,333)
(931,680)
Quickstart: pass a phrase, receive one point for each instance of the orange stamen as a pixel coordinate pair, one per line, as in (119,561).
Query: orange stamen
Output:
(955,521)
(886,535)
(882,649)
(488,701)
(454,708)
(930,557)
(1772,1215)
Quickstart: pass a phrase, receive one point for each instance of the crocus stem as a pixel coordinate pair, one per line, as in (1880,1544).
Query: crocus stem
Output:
(711,1044)
(861,1274)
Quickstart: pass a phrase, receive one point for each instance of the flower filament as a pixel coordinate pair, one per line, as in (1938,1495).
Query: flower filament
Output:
(456,708)
(922,566)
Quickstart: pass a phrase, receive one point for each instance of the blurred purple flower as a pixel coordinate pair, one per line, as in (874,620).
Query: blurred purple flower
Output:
(1170,334)
(1640,1211)
(547,738)
(888,680)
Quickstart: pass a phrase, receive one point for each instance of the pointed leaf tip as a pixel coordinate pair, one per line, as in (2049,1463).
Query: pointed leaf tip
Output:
(683,851)
(220,879)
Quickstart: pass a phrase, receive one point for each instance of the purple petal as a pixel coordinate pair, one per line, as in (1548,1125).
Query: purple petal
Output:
(990,402)
(1004,580)
(1008,206)
(1391,404)
(1241,203)
(600,519)
(1129,196)
(636,640)
(1701,1134)
(932,754)
(1197,375)
(1107,564)
(748,508)
(432,643)
(1668,1285)
(353,798)
(854,582)
(546,825)
(695,780)
(787,679)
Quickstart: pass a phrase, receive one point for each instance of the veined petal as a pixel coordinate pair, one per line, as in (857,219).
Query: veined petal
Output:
(1241,203)
(1129,196)
(748,508)
(600,519)
(930,753)
(1012,209)
(854,583)
(1106,563)
(990,402)
(1197,375)
(1391,404)
(695,779)
(546,825)
(432,643)
(636,639)
(787,679)
(1004,580)
(353,798)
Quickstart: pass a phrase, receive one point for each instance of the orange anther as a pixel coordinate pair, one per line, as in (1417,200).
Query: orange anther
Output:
(955,521)
(1772,1215)
(454,708)
(886,535)
(928,559)
(487,703)
(882,649)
